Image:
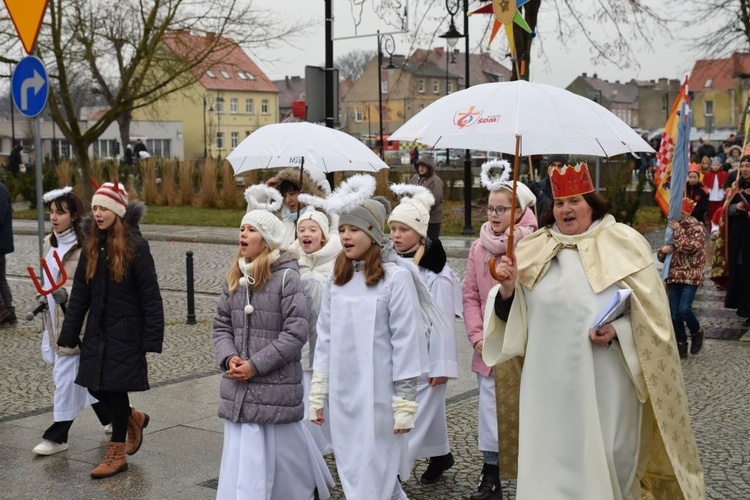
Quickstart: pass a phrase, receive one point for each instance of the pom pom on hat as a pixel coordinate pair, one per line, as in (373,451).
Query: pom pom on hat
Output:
(413,211)
(111,196)
(268,225)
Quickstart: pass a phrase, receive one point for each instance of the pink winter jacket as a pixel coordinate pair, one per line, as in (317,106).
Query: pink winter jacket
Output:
(477,285)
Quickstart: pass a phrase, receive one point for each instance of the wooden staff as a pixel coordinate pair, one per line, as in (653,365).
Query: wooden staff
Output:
(511,233)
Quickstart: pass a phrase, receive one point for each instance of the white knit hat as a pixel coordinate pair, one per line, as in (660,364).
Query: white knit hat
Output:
(523,194)
(318,217)
(413,211)
(111,196)
(268,225)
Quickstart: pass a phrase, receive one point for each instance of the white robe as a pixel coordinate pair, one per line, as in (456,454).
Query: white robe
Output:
(429,438)
(596,393)
(367,337)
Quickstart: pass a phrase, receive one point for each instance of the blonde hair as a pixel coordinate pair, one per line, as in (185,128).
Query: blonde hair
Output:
(261,271)
(343,269)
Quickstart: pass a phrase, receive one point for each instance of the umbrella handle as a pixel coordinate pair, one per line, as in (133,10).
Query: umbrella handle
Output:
(513,200)
(491,267)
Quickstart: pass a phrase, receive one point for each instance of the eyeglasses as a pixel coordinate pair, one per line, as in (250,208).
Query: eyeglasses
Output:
(499,210)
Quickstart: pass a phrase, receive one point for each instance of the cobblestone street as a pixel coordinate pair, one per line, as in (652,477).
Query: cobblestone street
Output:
(717,380)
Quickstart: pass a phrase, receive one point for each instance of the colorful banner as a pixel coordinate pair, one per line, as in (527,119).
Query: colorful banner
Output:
(666,153)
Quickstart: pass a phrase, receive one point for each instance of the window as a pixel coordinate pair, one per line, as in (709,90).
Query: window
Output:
(449,86)
(358,114)
(210,73)
(235,139)
(248,75)
(241,75)
(60,149)
(233,105)
(159,148)
(105,148)
(708,107)
(249,105)
(219,140)
(220,105)
(226,74)
(435,86)
(384,87)
(420,86)
(709,82)
(264,106)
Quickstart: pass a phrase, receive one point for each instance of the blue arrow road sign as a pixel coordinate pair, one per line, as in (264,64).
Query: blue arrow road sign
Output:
(30,87)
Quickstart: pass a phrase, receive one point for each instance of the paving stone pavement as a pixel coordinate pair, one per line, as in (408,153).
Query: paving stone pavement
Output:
(717,382)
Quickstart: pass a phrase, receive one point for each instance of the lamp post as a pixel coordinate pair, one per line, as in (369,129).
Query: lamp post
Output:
(387,43)
(208,101)
(452,35)
(219,111)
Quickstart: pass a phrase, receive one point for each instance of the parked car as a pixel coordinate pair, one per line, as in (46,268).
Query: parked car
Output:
(439,158)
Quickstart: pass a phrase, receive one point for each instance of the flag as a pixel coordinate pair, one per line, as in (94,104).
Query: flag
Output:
(664,157)
(679,170)
(746,125)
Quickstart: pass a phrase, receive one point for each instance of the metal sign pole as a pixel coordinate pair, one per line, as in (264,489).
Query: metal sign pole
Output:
(39,188)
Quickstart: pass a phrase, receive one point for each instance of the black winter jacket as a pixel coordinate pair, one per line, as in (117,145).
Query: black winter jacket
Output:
(125,319)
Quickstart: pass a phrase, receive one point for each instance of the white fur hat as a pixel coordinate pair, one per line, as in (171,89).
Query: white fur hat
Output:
(268,225)
(318,217)
(413,211)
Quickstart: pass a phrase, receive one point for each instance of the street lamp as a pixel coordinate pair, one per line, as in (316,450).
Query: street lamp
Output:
(387,43)
(208,101)
(452,36)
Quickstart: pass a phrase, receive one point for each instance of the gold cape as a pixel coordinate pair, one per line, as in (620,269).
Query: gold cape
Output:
(669,465)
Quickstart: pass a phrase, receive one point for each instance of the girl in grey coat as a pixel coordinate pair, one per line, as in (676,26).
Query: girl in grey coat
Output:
(260,327)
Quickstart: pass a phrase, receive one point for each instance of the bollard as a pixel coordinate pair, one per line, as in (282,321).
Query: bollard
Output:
(190,288)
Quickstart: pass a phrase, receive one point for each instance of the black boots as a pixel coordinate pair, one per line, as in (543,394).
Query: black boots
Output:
(682,349)
(696,345)
(437,466)
(489,487)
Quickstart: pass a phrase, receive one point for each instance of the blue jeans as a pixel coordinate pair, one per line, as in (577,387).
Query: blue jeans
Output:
(681,298)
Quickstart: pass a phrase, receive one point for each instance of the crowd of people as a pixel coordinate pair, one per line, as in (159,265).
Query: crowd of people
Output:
(334,336)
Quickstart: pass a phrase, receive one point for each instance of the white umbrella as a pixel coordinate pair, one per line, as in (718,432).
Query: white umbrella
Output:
(302,143)
(546,119)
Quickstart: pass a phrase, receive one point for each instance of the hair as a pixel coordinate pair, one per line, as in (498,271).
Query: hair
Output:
(599,206)
(261,271)
(285,186)
(120,250)
(72,204)
(343,268)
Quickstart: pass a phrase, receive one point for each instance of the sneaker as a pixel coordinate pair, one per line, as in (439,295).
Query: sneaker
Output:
(48,447)
(682,348)
(108,429)
(435,469)
(696,345)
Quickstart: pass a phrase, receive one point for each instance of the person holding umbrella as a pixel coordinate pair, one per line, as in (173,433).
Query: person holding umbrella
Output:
(598,396)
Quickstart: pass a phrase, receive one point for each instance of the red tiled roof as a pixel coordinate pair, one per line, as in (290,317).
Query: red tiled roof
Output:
(226,58)
(717,74)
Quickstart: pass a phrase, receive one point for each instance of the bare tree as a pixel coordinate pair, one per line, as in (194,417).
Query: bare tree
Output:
(728,30)
(624,25)
(353,63)
(118,52)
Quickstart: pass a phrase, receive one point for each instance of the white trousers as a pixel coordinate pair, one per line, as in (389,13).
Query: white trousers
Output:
(487,414)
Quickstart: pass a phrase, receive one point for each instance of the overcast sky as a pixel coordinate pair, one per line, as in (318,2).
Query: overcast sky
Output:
(553,62)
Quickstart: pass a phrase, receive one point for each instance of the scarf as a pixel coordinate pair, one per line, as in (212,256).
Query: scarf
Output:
(65,242)
(495,245)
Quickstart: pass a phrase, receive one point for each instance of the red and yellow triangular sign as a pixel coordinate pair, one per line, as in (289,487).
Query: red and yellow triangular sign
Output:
(27,16)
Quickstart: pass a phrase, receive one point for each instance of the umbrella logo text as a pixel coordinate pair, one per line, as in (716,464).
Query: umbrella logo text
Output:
(466,118)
